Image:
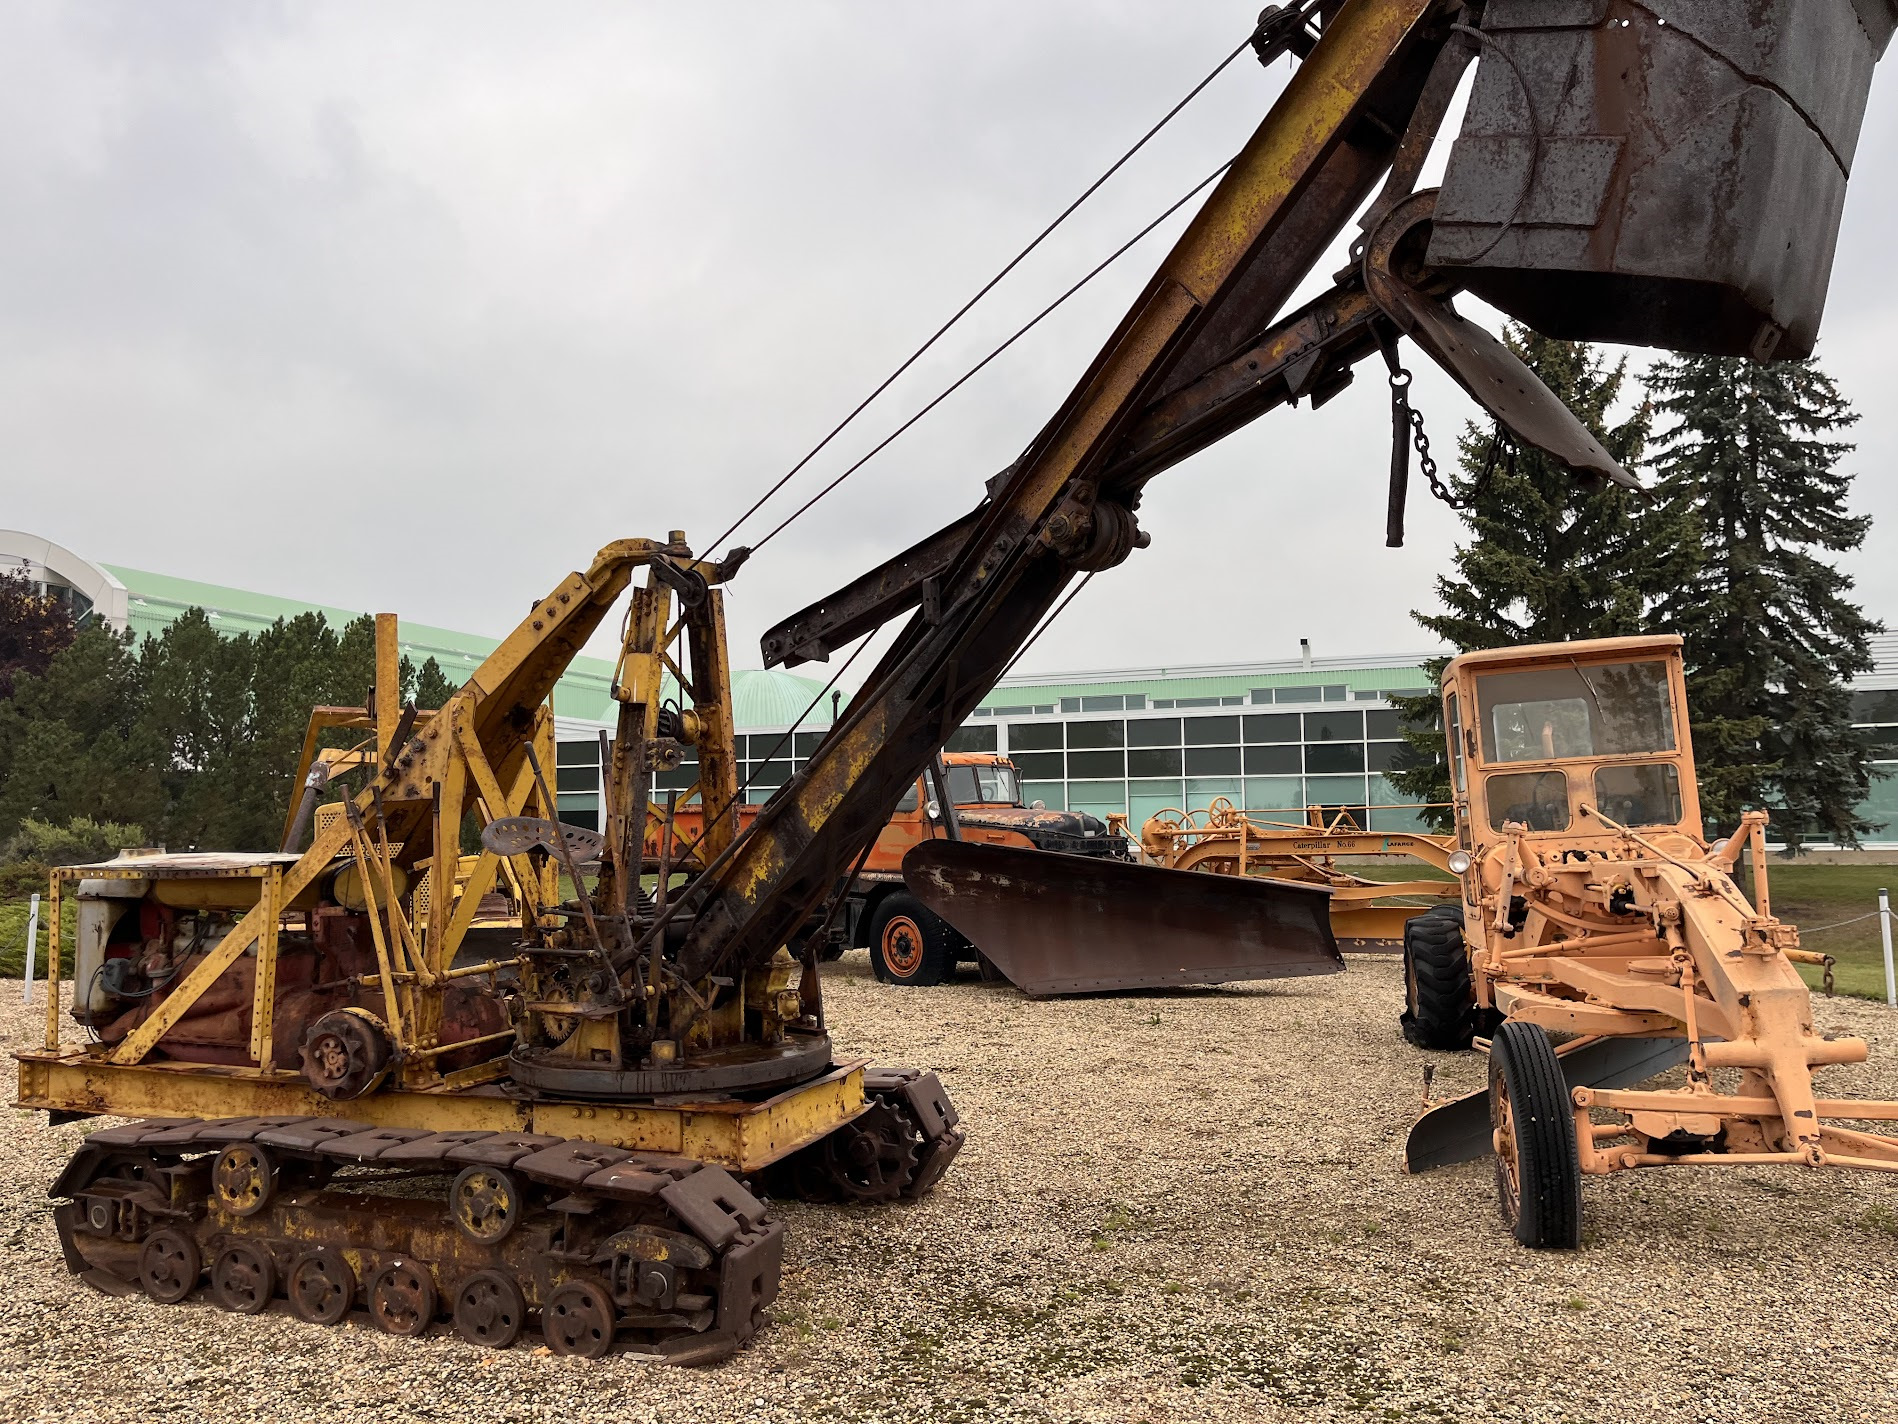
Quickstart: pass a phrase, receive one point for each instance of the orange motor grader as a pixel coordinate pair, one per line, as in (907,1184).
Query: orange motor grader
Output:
(1594,910)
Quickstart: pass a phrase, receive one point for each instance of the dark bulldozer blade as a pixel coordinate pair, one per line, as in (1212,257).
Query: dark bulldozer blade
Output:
(1459,1130)
(1075,924)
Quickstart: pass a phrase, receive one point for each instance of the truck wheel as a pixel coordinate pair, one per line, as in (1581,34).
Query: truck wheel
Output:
(1538,1169)
(1439,999)
(908,944)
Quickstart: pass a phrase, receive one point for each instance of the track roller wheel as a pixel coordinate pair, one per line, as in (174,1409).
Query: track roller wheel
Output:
(578,1319)
(484,1204)
(169,1265)
(909,945)
(1538,1169)
(321,1286)
(490,1310)
(244,1179)
(243,1278)
(401,1298)
(875,1157)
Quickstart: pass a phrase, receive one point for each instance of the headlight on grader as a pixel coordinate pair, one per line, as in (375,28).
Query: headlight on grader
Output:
(1459,862)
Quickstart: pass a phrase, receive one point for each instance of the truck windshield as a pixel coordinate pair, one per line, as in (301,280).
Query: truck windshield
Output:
(1582,710)
(984,785)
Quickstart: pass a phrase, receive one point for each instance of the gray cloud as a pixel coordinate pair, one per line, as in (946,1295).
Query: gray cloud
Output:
(412,307)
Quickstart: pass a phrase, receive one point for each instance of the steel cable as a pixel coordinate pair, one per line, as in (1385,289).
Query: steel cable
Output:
(970,374)
(982,292)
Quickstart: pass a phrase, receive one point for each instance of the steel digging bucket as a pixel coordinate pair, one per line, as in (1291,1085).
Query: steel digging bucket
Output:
(1664,173)
(1072,924)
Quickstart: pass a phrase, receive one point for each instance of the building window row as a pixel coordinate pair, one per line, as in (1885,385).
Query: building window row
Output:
(1258,696)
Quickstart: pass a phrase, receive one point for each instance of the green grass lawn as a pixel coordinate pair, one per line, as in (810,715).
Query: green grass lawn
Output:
(1812,896)
(1804,894)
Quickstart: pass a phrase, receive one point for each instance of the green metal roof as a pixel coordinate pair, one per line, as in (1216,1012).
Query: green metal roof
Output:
(760,699)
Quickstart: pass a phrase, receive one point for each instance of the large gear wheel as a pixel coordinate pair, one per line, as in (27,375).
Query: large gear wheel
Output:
(872,1158)
(346,1053)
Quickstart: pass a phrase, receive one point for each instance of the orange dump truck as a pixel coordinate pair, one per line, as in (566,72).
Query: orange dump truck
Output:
(909,943)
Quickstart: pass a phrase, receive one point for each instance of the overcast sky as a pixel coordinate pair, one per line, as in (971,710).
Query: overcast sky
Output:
(412,306)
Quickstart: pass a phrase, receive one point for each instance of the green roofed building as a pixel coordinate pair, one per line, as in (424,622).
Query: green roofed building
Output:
(1268,736)
(763,703)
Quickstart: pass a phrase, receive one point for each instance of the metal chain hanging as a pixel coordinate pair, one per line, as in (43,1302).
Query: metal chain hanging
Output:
(1405,415)
(1408,433)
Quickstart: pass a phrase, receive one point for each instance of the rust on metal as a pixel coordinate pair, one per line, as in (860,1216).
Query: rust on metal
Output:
(1065,924)
(1224,840)
(1666,175)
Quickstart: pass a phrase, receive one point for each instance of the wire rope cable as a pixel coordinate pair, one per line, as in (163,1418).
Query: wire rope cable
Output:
(1046,623)
(984,290)
(974,370)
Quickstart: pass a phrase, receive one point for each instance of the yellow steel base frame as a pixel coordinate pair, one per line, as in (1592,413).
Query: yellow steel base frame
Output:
(742,1137)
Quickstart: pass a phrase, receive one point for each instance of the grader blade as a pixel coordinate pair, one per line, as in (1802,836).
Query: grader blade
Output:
(1071,924)
(1459,1130)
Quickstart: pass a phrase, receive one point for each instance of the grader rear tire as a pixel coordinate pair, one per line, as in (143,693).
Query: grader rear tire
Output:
(1439,998)
(1538,1168)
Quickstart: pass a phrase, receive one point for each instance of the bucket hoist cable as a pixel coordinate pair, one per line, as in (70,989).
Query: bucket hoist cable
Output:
(1250,42)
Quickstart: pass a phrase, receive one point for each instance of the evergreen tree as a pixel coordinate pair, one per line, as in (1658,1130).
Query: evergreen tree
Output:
(1750,467)
(1552,556)
(33,630)
(431,687)
(73,740)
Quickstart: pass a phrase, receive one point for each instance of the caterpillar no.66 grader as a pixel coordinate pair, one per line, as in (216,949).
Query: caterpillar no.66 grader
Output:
(1594,909)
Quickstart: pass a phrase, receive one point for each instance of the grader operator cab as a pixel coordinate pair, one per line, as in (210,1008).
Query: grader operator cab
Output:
(1595,909)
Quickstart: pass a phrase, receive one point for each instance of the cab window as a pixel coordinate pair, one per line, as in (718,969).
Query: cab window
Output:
(984,784)
(1582,710)
(909,801)
(1536,799)
(1453,734)
(1640,795)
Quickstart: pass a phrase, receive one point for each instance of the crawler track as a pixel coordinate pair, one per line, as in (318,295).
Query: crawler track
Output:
(661,1254)
(486,1231)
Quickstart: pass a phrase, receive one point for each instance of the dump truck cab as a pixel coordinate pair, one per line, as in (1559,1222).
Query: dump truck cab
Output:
(908,943)
(985,792)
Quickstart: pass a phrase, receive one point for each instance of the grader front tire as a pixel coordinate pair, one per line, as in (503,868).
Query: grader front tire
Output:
(1538,1167)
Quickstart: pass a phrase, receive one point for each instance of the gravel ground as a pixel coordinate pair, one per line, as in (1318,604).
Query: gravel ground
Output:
(1173,1207)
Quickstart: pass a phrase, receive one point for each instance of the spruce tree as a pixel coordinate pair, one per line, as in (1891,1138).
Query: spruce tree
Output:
(1750,467)
(1552,555)
(34,627)
(430,687)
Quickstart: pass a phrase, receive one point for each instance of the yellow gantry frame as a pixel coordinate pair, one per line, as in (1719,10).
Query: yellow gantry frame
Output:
(470,754)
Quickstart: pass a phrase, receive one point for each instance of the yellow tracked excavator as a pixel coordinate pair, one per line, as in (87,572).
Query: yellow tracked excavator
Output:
(332,1104)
